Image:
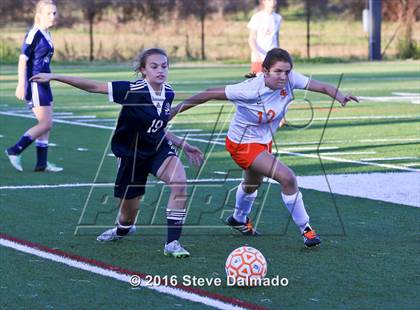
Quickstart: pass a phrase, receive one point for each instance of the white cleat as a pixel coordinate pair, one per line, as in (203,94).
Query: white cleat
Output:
(49,168)
(111,234)
(15,161)
(175,249)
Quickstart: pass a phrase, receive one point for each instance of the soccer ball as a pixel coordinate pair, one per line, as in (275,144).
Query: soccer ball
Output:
(245,266)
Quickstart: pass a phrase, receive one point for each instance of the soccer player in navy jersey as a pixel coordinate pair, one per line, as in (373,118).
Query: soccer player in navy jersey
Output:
(37,51)
(143,145)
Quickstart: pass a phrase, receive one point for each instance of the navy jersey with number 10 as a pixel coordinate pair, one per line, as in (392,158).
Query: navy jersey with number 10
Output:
(140,130)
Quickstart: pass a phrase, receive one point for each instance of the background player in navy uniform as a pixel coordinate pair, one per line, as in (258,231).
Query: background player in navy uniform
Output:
(37,51)
(143,145)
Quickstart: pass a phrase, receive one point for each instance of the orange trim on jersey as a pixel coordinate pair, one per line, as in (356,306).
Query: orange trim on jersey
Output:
(244,154)
(256,67)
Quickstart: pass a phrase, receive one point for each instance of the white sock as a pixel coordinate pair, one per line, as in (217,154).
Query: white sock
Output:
(294,203)
(243,204)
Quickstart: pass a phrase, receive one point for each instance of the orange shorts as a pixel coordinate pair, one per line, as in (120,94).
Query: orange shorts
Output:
(256,67)
(244,154)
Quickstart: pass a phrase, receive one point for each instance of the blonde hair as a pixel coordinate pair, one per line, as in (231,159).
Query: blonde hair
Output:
(141,58)
(39,6)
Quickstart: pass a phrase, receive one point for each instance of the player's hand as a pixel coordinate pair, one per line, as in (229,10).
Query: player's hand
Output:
(20,91)
(194,155)
(41,78)
(343,99)
(283,123)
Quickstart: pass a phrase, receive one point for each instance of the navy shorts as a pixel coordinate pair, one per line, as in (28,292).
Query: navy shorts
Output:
(132,175)
(38,95)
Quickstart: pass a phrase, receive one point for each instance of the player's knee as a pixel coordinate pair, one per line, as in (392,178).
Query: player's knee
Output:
(287,179)
(46,125)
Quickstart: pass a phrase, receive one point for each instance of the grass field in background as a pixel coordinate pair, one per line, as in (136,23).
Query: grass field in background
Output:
(369,254)
(227,42)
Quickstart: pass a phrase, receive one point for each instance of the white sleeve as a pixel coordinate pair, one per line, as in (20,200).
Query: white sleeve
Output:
(253,23)
(297,80)
(110,95)
(239,93)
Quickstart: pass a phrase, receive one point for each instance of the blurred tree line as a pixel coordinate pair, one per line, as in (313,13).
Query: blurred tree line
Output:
(405,12)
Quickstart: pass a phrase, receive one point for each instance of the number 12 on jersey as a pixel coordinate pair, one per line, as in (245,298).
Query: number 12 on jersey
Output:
(270,116)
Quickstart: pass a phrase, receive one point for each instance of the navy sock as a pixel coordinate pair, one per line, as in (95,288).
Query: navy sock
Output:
(175,220)
(21,145)
(122,230)
(41,154)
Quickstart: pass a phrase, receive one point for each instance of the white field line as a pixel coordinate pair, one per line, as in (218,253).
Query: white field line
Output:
(120,276)
(307,148)
(61,121)
(338,118)
(347,153)
(291,119)
(394,187)
(342,160)
(208,135)
(406,94)
(29,112)
(184,130)
(411,164)
(388,140)
(77,117)
(98,120)
(398,96)
(389,98)
(314,142)
(388,158)
(221,143)
(72,185)
(109,106)
(316,119)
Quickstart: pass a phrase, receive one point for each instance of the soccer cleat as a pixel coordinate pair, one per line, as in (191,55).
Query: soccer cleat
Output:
(175,249)
(48,168)
(14,160)
(246,229)
(310,237)
(111,234)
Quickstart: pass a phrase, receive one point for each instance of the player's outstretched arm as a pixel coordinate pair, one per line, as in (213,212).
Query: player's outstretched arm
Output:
(217,93)
(194,154)
(84,84)
(331,91)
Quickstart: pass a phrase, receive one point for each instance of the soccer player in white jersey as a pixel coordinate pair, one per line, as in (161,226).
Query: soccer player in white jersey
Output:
(37,51)
(143,144)
(264,28)
(261,103)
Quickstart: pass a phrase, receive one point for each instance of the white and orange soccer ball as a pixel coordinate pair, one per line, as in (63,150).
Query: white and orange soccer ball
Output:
(245,266)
